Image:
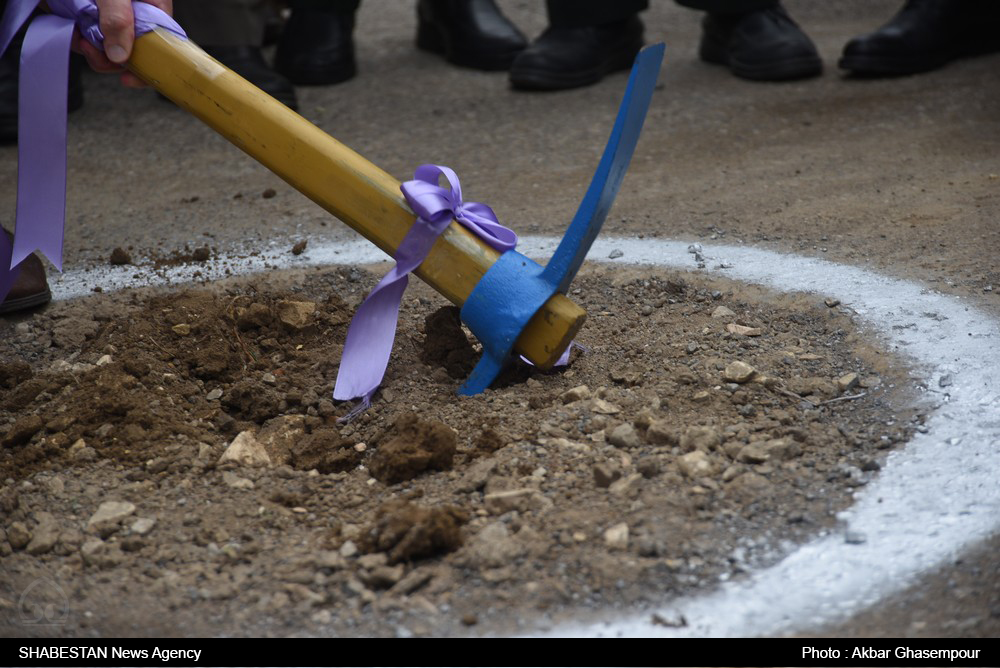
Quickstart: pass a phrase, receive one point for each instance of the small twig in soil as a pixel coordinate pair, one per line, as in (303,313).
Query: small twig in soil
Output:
(793,395)
(846,397)
(243,345)
(162,349)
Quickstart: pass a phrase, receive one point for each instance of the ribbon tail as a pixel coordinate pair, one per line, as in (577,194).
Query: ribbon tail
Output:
(41,179)
(369,340)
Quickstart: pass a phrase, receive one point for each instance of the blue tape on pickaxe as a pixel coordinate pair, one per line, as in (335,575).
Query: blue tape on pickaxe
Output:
(515,287)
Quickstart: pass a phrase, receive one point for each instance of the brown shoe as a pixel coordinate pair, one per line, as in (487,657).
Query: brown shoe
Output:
(30,288)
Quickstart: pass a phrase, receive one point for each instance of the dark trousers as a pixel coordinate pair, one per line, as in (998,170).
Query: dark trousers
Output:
(581,13)
(728,6)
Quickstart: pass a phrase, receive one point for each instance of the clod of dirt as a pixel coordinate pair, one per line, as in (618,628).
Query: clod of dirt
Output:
(445,343)
(300,247)
(416,447)
(406,531)
(120,256)
(326,451)
(268,193)
(201,254)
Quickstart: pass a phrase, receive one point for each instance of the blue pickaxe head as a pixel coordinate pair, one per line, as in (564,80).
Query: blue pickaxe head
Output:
(515,287)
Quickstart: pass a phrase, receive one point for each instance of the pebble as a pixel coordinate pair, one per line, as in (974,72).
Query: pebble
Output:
(831,302)
(723,312)
(96,552)
(494,547)
(700,438)
(348,549)
(295,315)
(235,481)
(18,535)
(142,525)
(269,379)
(476,475)
(522,500)
(695,464)
(603,407)
(616,537)
(45,536)
(626,486)
(108,516)
(847,382)
(214,394)
(606,473)
(738,372)
(649,467)
(742,330)
(183,329)
(945,380)
(103,360)
(615,254)
(625,436)
(246,450)
(578,393)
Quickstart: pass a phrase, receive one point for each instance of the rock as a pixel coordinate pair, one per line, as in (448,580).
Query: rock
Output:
(348,549)
(235,481)
(214,395)
(81,452)
(142,525)
(662,432)
(103,360)
(831,302)
(754,453)
(280,435)
(120,256)
(738,372)
(701,438)
(45,536)
(109,515)
(578,393)
(625,436)
(22,431)
(648,467)
(847,382)
(615,254)
(695,464)
(96,552)
(616,537)
(782,449)
(246,450)
(853,537)
(522,500)
(627,486)
(723,312)
(182,329)
(295,315)
(602,407)
(742,330)
(476,475)
(493,547)
(606,473)
(383,577)
(299,247)
(18,535)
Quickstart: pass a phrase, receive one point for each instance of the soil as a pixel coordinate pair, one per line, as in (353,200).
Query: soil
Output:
(179,454)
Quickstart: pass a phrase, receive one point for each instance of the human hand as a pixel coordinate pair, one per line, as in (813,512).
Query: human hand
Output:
(118,27)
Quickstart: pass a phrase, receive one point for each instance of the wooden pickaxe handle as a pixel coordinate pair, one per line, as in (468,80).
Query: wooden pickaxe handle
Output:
(335,177)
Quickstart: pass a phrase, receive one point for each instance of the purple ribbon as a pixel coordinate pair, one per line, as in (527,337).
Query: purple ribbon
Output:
(41,124)
(373,329)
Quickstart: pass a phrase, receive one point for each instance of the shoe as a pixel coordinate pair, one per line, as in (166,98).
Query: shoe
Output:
(469,33)
(317,47)
(8,90)
(763,45)
(30,288)
(564,58)
(925,35)
(249,63)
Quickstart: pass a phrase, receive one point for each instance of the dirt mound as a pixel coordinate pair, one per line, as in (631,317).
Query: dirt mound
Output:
(705,427)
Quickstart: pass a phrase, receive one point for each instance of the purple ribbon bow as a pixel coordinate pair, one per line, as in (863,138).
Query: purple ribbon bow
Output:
(41,129)
(373,329)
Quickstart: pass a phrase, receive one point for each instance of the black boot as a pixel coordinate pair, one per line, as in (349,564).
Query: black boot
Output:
(317,47)
(9,80)
(470,33)
(573,57)
(763,45)
(925,35)
(249,63)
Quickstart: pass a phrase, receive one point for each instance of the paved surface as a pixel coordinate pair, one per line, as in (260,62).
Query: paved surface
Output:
(898,176)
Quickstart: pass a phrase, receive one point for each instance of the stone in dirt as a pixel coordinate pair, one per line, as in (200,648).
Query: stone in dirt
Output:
(142,525)
(723,312)
(416,446)
(616,537)
(120,256)
(847,382)
(108,517)
(522,500)
(738,372)
(695,464)
(96,552)
(606,473)
(700,438)
(45,536)
(625,436)
(406,531)
(18,535)
(246,450)
(22,431)
(578,393)
(493,547)
(295,315)
(743,330)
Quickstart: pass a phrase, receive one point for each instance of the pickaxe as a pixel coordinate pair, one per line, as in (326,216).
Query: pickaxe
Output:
(508,301)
